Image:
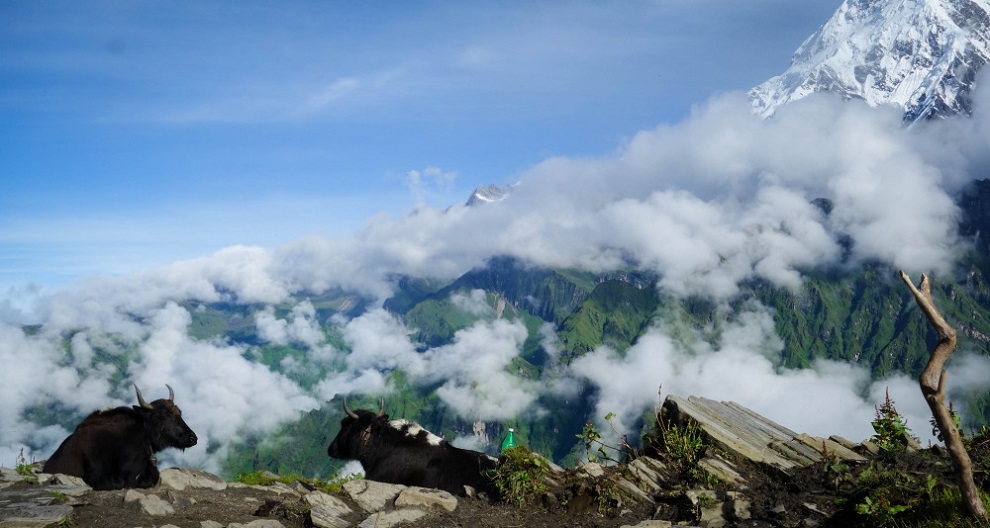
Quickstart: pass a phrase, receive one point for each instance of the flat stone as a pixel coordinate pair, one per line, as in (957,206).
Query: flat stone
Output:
(426,497)
(645,475)
(649,523)
(327,511)
(722,470)
(392,518)
(32,513)
(260,523)
(372,495)
(180,479)
(210,524)
(631,490)
(155,506)
(133,495)
(68,481)
(592,469)
(753,437)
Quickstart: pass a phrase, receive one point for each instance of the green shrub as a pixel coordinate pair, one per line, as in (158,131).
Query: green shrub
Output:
(265,478)
(890,427)
(520,475)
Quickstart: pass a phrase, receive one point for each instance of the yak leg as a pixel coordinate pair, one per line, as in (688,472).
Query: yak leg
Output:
(140,470)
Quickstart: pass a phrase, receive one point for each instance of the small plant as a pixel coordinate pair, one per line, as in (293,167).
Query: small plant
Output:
(956,422)
(58,497)
(606,497)
(265,478)
(885,493)
(706,501)
(25,469)
(890,427)
(831,463)
(606,453)
(879,509)
(257,478)
(682,446)
(336,483)
(834,470)
(520,475)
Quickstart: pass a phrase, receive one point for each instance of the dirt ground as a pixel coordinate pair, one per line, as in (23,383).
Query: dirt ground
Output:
(106,509)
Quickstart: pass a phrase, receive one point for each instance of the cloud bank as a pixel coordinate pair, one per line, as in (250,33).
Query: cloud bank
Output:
(720,198)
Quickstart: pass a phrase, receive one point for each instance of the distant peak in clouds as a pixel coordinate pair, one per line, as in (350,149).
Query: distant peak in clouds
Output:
(920,55)
(489,193)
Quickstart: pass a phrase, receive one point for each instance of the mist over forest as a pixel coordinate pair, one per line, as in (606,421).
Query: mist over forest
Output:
(719,199)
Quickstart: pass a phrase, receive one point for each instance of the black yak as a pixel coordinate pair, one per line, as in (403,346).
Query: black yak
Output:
(402,452)
(116,448)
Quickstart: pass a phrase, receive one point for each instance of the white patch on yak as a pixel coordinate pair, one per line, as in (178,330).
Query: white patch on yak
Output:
(413,429)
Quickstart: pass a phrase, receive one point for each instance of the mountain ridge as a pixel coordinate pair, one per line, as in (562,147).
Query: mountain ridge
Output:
(922,57)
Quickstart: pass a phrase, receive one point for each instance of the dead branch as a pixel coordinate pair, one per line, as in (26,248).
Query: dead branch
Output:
(932,381)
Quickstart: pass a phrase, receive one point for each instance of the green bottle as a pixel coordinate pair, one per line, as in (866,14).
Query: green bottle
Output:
(510,440)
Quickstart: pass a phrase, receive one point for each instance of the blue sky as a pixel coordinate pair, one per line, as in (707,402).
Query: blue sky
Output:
(157,156)
(134,134)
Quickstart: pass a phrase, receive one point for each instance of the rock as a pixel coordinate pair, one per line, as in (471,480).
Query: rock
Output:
(719,508)
(32,508)
(68,481)
(746,434)
(592,469)
(834,448)
(133,495)
(649,523)
(178,500)
(372,495)
(426,497)
(210,524)
(630,490)
(180,479)
(647,475)
(261,523)
(327,511)
(392,518)
(155,506)
(722,469)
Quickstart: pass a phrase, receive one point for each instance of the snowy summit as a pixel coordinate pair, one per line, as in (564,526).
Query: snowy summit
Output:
(921,55)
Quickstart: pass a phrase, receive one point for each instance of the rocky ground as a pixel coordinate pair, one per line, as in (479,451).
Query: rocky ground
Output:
(740,479)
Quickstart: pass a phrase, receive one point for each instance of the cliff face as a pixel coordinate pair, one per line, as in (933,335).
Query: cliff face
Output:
(975,206)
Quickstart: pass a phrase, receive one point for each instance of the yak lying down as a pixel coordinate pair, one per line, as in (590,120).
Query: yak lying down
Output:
(116,448)
(402,452)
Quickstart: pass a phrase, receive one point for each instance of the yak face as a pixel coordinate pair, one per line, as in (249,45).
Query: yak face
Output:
(355,433)
(163,423)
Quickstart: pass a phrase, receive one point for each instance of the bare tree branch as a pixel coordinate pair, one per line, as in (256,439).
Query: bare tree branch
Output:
(932,381)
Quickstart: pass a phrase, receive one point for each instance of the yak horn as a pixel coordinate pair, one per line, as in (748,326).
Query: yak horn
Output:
(349,412)
(141,401)
(171,393)
(381,410)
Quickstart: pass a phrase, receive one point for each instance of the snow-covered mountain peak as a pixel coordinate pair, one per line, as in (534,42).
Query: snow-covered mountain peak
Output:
(489,193)
(921,55)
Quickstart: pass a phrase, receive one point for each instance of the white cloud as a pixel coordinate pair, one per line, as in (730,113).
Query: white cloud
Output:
(830,398)
(718,199)
(300,326)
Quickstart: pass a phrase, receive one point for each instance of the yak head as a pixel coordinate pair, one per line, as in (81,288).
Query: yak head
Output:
(355,432)
(163,423)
